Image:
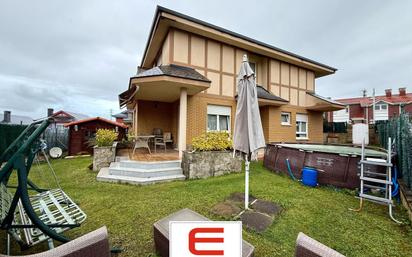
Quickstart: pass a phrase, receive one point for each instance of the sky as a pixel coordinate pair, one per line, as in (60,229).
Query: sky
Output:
(79,55)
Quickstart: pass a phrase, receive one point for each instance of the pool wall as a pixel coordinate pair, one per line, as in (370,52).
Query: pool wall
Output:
(340,170)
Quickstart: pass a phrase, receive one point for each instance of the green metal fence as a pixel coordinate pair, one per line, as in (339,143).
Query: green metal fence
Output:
(400,130)
(335,127)
(8,133)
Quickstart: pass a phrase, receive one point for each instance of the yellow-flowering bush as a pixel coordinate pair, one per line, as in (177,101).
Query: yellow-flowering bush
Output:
(212,141)
(105,137)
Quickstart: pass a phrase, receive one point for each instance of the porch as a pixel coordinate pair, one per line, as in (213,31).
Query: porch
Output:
(144,156)
(158,99)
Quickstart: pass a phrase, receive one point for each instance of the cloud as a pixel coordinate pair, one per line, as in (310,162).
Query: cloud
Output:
(79,55)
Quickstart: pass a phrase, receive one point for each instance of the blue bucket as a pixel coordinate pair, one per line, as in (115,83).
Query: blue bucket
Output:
(309,176)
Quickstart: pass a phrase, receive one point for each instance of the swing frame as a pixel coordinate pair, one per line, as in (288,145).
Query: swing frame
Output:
(19,157)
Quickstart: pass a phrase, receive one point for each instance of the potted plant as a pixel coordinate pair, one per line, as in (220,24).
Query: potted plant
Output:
(104,151)
(211,156)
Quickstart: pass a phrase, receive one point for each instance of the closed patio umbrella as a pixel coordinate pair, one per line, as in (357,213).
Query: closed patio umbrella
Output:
(248,133)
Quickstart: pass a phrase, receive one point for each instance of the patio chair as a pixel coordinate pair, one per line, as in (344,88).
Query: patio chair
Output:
(162,141)
(309,247)
(93,244)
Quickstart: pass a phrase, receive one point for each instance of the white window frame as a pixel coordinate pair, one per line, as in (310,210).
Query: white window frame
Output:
(378,106)
(283,123)
(302,118)
(219,110)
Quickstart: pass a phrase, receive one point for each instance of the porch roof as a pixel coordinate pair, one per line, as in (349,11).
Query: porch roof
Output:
(267,98)
(316,102)
(163,83)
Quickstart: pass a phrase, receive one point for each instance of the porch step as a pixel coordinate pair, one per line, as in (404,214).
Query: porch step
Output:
(146,165)
(145,173)
(105,176)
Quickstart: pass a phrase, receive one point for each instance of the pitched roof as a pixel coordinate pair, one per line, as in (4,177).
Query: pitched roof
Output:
(17,119)
(173,70)
(265,94)
(262,93)
(324,99)
(95,119)
(364,101)
(161,9)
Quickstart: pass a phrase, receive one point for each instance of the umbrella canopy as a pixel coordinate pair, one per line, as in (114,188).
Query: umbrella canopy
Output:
(248,133)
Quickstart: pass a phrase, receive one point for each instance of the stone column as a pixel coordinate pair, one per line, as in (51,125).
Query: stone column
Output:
(182,121)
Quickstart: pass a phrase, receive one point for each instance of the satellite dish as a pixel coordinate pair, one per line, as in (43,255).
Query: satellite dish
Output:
(56,152)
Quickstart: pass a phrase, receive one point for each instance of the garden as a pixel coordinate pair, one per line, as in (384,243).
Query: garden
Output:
(322,213)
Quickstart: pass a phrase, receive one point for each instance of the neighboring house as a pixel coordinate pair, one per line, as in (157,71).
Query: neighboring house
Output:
(362,108)
(82,131)
(125,117)
(8,118)
(186,83)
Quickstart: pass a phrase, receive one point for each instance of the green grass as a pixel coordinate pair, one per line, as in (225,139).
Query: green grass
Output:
(322,213)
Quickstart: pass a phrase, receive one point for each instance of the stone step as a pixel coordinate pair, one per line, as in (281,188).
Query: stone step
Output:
(145,173)
(104,176)
(146,165)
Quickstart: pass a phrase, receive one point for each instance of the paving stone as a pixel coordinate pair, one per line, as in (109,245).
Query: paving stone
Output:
(256,221)
(267,207)
(226,209)
(240,197)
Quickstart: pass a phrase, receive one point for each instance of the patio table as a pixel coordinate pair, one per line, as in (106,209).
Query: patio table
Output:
(142,142)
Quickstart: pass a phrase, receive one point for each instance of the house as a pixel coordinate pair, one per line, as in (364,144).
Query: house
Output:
(8,118)
(186,83)
(363,108)
(82,131)
(124,117)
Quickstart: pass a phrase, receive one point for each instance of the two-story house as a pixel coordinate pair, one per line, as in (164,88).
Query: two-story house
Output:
(186,83)
(382,107)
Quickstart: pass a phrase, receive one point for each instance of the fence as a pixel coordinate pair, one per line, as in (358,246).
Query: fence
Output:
(8,133)
(56,136)
(335,127)
(400,130)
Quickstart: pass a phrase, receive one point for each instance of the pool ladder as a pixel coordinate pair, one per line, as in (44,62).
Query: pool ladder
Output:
(383,183)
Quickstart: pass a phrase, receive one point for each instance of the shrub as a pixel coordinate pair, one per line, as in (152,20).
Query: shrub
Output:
(212,141)
(105,137)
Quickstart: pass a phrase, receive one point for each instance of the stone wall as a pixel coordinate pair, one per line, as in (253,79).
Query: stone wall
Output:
(103,156)
(209,164)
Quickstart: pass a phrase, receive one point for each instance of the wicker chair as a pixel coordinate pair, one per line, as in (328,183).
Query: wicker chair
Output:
(93,244)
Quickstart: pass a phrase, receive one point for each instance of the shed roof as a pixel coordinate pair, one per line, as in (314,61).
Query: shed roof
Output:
(96,119)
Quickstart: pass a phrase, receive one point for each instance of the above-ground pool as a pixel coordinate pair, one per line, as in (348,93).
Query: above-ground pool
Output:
(337,165)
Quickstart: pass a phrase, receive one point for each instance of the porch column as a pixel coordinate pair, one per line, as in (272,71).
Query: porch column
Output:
(182,121)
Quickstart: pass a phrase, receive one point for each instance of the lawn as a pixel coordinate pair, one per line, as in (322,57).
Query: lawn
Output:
(322,213)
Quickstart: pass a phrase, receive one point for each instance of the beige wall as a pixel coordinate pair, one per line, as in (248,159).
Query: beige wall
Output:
(157,115)
(220,62)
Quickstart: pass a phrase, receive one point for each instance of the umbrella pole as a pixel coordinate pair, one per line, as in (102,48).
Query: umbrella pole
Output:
(247,183)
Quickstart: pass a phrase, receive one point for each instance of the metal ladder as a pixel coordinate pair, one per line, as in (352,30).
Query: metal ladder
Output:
(384,182)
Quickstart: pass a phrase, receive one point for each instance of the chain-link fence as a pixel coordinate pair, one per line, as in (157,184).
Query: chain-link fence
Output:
(399,129)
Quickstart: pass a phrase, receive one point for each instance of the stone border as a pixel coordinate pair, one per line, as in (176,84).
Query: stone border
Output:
(203,164)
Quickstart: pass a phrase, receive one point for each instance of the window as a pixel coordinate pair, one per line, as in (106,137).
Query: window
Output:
(301,126)
(382,107)
(218,118)
(285,118)
(253,67)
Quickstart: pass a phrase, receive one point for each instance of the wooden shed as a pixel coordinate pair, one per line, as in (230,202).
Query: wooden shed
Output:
(81,131)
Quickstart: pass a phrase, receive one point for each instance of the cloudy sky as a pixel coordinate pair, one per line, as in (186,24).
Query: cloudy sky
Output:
(78,55)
